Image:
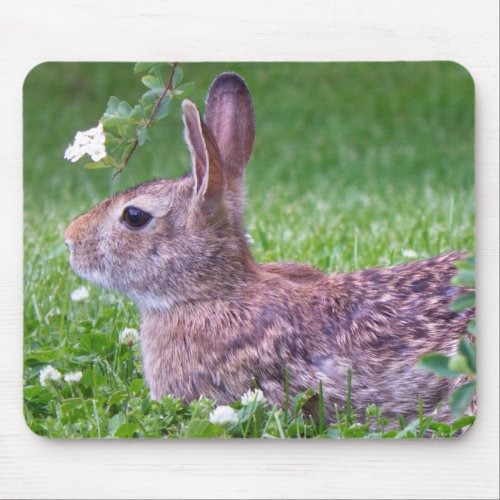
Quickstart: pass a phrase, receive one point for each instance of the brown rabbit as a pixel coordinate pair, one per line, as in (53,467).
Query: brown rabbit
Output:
(213,320)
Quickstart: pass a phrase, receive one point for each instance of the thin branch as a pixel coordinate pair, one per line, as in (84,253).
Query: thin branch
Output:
(168,88)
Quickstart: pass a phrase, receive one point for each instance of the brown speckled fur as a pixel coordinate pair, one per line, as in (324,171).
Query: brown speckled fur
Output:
(213,319)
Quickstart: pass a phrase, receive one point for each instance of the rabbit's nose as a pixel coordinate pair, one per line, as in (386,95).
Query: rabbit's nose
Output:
(70,235)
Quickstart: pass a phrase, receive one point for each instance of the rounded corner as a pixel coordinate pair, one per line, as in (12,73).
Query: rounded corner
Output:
(461,67)
(32,70)
(33,431)
(467,430)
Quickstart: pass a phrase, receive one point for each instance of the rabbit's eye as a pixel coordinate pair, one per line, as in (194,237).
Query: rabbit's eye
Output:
(135,218)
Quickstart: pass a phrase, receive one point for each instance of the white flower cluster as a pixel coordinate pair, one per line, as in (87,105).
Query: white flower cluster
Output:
(129,336)
(252,397)
(73,377)
(79,294)
(224,415)
(90,142)
(50,375)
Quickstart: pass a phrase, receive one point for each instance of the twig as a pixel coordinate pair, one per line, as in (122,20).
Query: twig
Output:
(168,88)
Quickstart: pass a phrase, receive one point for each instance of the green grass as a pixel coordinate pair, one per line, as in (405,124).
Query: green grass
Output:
(355,165)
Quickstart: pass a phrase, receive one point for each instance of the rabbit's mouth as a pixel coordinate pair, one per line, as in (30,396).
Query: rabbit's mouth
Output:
(93,275)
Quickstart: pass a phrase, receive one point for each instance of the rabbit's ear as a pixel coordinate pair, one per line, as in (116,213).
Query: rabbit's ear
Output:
(229,115)
(205,159)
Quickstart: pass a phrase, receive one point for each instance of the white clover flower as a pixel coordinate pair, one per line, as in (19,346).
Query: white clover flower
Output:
(73,377)
(224,415)
(89,142)
(129,336)
(409,254)
(250,396)
(80,294)
(49,374)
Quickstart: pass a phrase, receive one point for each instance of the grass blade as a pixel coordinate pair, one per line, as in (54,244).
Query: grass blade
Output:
(287,392)
(321,422)
(96,416)
(278,423)
(348,399)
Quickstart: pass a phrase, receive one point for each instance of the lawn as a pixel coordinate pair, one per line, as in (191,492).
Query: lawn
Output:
(355,165)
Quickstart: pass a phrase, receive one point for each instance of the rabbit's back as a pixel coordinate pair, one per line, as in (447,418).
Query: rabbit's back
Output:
(382,320)
(404,302)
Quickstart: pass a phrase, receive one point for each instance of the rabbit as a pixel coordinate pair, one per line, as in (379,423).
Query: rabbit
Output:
(214,321)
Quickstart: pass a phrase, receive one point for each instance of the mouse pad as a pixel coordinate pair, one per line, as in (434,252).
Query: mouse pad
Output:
(249,250)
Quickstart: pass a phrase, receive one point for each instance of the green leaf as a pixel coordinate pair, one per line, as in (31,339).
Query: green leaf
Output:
(183,90)
(114,121)
(89,377)
(471,328)
(137,112)
(95,165)
(84,358)
(43,356)
(469,263)
(334,433)
(463,302)
(177,78)
(409,431)
(111,140)
(301,398)
(137,385)
(126,430)
(151,82)
(116,397)
(112,107)
(116,421)
(463,422)
(158,72)
(124,108)
(163,108)
(245,413)
(436,363)
(465,278)
(458,363)
(142,135)
(461,399)
(268,436)
(130,132)
(390,434)
(441,428)
(37,394)
(140,67)
(198,428)
(468,351)
(151,95)
(70,404)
